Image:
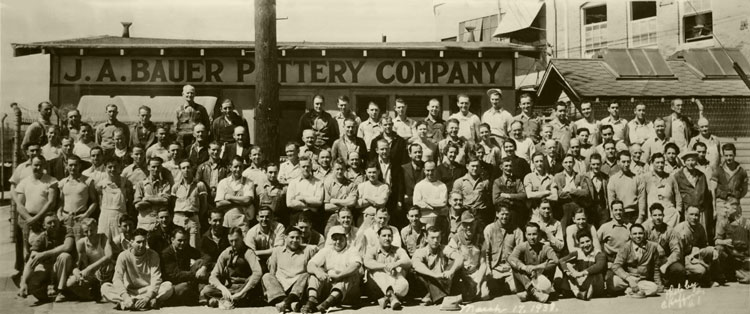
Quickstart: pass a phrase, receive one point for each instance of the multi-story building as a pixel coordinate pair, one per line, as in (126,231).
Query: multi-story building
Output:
(579,29)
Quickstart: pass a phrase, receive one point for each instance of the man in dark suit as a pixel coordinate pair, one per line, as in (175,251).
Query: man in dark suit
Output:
(519,166)
(694,192)
(240,147)
(552,162)
(176,268)
(397,145)
(412,173)
(390,173)
(325,126)
(214,240)
(57,167)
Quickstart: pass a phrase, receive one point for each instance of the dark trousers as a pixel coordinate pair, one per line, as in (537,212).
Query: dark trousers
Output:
(185,293)
(437,288)
(675,275)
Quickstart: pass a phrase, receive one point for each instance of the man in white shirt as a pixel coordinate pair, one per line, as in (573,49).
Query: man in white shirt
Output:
(498,118)
(588,122)
(235,195)
(656,143)
(370,128)
(85,143)
(468,121)
(345,113)
(430,194)
(290,168)
(403,125)
(638,130)
(614,119)
(306,192)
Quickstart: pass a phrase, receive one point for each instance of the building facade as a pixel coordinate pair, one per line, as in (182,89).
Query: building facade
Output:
(579,29)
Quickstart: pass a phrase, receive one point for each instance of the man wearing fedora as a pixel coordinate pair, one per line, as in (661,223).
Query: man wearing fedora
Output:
(693,187)
(497,117)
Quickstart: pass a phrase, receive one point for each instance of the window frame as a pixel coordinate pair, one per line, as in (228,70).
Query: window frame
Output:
(687,12)
(632,25)
(601,28)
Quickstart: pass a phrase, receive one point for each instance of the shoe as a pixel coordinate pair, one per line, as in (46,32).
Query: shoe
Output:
(153,304)
(383,303)
(282,307)
(582,296)
(523,296)
(307,308)
(60,298)
(637,295)
(426,300)
(395,304)
(541,296)
(126,305)
(213,302)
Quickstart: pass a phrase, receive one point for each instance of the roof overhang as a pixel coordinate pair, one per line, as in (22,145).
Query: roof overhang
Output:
(518,15)
(116,43)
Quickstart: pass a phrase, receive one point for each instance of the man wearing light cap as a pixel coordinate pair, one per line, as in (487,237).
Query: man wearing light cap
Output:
(497,117)
(334,274)
(474,269)
(693,187)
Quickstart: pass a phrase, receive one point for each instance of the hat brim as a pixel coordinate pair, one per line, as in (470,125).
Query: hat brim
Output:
(493,90)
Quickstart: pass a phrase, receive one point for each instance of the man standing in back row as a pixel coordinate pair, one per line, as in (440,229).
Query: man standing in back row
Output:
(188,115)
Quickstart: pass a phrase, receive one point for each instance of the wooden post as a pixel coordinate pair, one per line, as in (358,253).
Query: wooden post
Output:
(17,157)
(267,111)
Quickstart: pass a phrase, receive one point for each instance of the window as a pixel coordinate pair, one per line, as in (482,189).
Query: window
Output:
(697,20)
(291,111)
(594,29)
(417,105)
(643,23)
(362,102)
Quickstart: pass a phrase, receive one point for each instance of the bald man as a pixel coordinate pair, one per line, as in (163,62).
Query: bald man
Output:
(712,142)
(552,158)
(188,116)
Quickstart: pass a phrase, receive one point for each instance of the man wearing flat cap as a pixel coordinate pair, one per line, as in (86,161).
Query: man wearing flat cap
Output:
(497,117)
(693,187)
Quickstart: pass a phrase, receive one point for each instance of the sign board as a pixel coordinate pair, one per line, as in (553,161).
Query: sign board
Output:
(85,70)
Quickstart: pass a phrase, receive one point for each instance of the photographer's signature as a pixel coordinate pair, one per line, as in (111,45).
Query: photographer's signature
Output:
(679,298)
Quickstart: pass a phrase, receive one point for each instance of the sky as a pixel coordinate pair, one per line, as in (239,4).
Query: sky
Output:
(26,79)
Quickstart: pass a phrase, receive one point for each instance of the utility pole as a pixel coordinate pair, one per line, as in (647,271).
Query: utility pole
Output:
(267,110)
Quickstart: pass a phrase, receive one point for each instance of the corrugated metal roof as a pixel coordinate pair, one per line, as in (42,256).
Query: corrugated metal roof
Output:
(117,42)
(593,78)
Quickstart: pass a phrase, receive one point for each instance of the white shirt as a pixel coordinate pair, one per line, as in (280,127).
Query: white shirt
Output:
(404,127)
(499,121)
(617,125)
(467,124)
(288,172)
(432,194)
(304,187)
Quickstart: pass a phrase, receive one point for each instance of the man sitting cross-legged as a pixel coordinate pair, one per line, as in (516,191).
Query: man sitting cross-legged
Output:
(387,265)
(287,277)
(137,282)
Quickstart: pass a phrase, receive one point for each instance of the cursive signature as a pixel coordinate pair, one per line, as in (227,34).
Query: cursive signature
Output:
(679,298)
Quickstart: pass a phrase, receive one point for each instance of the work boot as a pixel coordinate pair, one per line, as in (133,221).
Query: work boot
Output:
(523,296)
(330,301)
(308,307)
(383,302)
(395,303)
